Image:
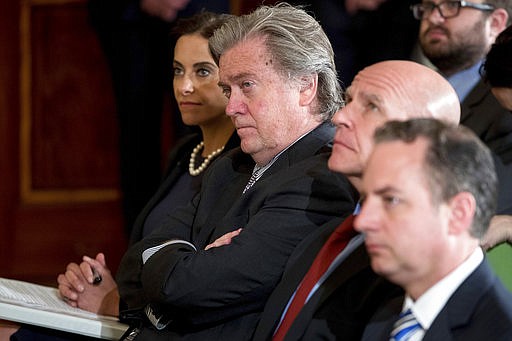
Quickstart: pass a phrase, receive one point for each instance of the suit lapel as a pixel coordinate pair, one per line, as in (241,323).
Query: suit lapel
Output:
(458,310)
(456,313)
(381,324)
(178,164)
(483,114)
(355,262)
(310,144)
(477,95)
(233,172)
(298,265)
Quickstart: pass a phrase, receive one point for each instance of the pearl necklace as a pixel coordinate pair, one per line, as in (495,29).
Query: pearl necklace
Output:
(196,171)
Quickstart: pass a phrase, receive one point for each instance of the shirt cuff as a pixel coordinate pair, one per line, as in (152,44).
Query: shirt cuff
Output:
(152,250)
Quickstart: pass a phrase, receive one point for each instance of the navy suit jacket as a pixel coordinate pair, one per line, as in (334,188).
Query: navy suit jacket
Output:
(342,305)
(482,113)
(219,294)
(480,309)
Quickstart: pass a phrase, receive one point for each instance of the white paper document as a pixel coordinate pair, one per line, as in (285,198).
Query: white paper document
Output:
(42,306)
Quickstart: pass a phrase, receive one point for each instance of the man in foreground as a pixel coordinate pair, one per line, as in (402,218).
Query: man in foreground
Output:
(429,193)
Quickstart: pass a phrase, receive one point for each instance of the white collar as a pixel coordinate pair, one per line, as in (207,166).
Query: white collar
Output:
(427,306)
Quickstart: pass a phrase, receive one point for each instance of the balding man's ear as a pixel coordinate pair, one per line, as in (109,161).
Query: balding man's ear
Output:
(462,207)
(498,21)
(308,88)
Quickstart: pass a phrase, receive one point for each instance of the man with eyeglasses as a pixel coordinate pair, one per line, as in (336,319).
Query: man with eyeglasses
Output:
(455,36)
(447,9)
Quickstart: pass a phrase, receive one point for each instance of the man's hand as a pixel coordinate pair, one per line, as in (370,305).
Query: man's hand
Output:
(500,231)
(224,240)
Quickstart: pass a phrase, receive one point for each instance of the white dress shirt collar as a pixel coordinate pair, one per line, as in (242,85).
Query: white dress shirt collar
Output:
(427,306)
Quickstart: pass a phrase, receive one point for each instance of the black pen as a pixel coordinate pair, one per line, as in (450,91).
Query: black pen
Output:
(97,277)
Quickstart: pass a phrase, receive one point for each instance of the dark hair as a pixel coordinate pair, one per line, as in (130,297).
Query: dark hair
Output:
(456,161)
(295,40)
(203,23)
(497,69)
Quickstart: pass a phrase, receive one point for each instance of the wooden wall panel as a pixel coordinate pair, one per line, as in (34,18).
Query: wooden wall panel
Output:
(68,127)
(9,118)
(73,133)
(59,190)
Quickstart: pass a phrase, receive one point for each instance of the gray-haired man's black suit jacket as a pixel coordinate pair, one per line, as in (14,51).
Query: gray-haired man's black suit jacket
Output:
(219,294)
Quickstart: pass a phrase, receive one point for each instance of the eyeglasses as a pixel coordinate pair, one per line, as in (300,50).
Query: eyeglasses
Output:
(447,9)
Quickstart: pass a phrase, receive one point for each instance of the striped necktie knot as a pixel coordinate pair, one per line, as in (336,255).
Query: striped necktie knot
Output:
(254,177)
(405,327)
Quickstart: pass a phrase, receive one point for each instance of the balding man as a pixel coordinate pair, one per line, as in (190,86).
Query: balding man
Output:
(340,301)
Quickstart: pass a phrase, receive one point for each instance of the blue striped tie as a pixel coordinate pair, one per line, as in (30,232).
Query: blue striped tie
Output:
(405,327)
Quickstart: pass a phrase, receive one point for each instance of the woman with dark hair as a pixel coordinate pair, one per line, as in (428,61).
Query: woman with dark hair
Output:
(202,104)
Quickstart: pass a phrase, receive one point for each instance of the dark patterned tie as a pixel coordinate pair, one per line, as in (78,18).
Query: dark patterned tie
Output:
(405,327)
(332,248)
(252,180)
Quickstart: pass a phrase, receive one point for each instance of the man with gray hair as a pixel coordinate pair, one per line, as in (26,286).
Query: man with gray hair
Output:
(276,68)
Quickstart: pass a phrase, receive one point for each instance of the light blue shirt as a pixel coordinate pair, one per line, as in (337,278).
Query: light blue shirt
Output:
(464,81)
